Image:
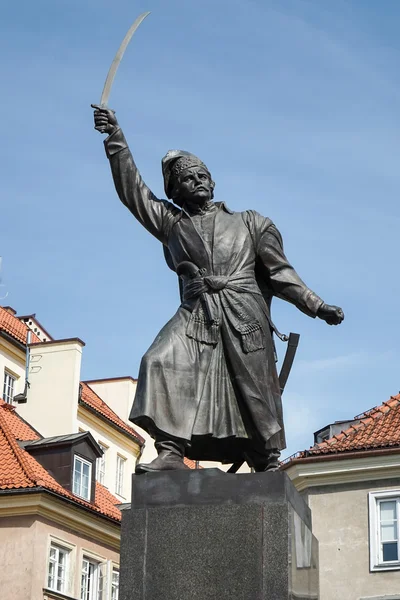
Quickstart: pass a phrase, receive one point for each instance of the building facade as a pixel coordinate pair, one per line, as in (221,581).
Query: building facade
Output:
(351,480)
(59,529)
(67,452)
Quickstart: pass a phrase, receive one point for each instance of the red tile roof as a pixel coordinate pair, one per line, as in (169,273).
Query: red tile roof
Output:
(21,429)
(190,463)
(19,470)
(378,427)
(14,327)
(92,400)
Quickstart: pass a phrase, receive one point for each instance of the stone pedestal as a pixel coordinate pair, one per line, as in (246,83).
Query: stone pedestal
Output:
(207,535)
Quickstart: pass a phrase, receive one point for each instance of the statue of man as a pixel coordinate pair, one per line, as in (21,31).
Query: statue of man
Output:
(208,386)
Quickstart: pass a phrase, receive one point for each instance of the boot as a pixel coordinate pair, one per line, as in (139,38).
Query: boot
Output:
(170,457)
(264,462)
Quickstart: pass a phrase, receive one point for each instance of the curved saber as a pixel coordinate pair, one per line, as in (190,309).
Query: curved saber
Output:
(117,59)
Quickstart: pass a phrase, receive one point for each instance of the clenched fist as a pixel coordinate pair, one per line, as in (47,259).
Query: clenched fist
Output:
(333,315)
(104,119)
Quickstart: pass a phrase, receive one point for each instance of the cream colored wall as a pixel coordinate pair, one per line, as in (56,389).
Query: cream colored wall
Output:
(340,523)
(12,360)
(117,444)
(24,551)
(118,394)
(54,377)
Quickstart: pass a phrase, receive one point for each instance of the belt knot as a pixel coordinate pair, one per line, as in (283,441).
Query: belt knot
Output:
(216,282)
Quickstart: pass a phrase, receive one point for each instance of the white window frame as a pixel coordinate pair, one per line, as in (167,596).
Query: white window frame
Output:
(67,550)
(375,548)
(95,572)
(80,492)
(120,475)
(9,382)
(101,465)
(114,583)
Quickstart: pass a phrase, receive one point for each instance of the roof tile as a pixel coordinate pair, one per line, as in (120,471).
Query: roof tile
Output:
(14,327)
(379,427)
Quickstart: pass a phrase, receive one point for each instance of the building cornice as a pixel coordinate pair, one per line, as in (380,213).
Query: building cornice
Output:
(111,379)
(49,506)
(52,342)
(308,472)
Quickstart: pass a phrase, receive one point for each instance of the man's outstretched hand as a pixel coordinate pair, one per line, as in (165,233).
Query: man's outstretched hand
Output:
(333,315)
(105,120)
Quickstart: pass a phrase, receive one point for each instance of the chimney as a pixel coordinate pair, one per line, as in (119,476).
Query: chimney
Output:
(10,310)
(54,377)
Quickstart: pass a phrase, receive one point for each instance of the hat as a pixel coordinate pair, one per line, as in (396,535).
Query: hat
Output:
(173,163)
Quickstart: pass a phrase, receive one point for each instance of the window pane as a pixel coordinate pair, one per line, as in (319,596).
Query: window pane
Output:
(120,475)
(57,570)
(82,478)
(388,510)
(85,481)
(114,584)
(390,551)
(8,387)
(50,581)
(77,484)
(84,580)
(389,532)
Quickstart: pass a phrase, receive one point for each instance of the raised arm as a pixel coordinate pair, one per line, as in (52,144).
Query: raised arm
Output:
(284,280)
(154,214)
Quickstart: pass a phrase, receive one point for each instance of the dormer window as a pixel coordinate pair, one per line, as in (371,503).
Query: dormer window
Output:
(71,460)
(82,477)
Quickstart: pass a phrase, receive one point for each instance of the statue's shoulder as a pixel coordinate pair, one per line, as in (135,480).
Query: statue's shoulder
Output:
(254,219)
(172,208)
(250,217)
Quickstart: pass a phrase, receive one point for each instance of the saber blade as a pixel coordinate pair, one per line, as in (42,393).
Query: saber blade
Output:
(117,59)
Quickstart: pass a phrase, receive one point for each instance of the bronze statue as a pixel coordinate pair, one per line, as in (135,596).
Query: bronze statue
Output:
(208,387)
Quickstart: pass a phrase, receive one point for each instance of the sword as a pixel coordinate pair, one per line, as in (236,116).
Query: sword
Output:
(116,62)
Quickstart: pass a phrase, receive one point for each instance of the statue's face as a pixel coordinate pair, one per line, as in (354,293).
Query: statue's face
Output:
(194,185)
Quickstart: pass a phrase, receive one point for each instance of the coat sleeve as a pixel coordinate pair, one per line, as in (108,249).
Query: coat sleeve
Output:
(157,216)
(282,278)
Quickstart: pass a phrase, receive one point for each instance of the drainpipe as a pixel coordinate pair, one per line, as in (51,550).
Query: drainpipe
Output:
(23,398)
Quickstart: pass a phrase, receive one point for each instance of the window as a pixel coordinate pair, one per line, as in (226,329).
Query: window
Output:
(82,477)
(384,512)
(8,387)
(58,568)
(101,465)
(115,584)
(93,580)
(119,487)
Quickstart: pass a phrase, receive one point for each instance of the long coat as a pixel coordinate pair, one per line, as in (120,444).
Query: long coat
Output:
(209,378)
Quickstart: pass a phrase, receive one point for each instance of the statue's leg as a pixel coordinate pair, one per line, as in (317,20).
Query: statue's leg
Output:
(268,461)
(170,457)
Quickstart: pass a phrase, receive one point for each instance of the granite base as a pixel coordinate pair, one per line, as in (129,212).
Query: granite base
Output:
(207,535)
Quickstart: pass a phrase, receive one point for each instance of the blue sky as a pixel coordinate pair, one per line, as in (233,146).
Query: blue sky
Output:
(293,105)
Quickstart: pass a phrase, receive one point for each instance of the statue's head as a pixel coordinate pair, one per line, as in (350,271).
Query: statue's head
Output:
(186,178)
